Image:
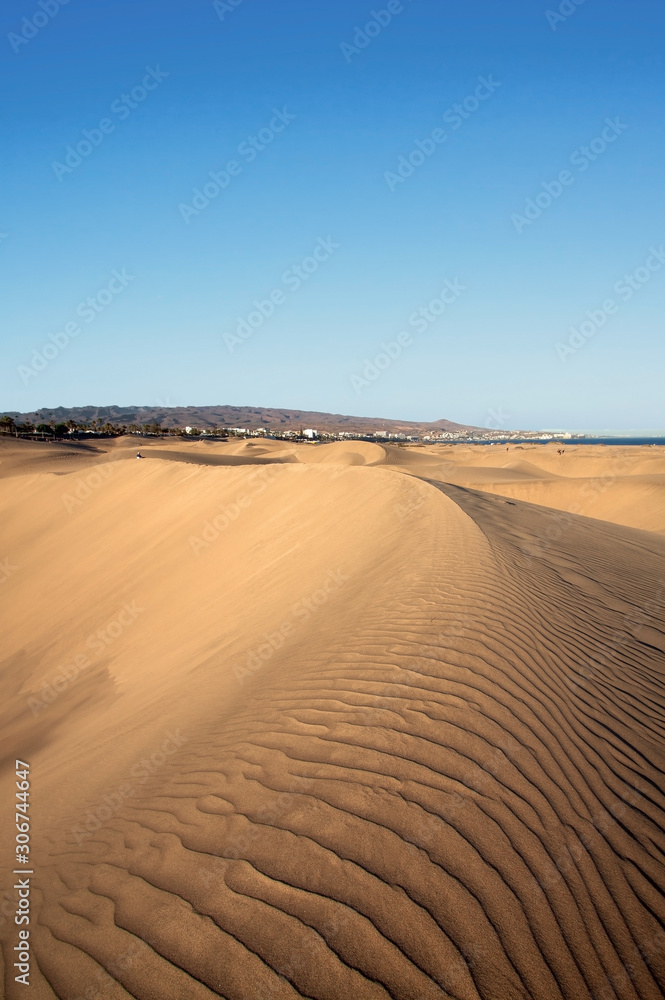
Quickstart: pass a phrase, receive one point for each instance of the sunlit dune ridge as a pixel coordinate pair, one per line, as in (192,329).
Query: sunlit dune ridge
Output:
(342,721)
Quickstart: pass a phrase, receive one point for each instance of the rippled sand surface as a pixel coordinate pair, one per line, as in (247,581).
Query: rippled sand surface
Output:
(336,722)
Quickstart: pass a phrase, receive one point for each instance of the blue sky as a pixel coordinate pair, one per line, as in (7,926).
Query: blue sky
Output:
(166,331)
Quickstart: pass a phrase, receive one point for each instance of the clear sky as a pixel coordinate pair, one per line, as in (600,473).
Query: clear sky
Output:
(171,91)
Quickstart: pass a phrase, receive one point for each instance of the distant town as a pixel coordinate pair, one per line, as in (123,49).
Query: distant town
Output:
(50,429)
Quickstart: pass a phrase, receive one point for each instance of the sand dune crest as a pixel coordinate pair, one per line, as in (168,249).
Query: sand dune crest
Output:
(345,732)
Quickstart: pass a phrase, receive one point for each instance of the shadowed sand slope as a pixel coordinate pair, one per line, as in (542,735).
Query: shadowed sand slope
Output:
(623,484)
(341,732)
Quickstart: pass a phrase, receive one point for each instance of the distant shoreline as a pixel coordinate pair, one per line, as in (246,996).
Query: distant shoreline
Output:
(615,441)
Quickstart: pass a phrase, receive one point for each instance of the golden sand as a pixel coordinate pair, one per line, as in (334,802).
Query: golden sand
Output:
(342,721)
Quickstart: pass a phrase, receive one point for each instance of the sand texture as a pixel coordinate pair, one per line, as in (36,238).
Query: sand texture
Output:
(344,722)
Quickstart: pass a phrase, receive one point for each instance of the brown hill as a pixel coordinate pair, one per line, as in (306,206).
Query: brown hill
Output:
(250,417)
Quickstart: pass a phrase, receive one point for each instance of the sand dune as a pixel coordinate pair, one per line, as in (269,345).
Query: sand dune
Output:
(344,453)
(332,722)
(625,485)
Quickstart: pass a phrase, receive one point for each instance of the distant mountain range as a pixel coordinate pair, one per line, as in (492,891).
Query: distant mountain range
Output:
(249,417)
